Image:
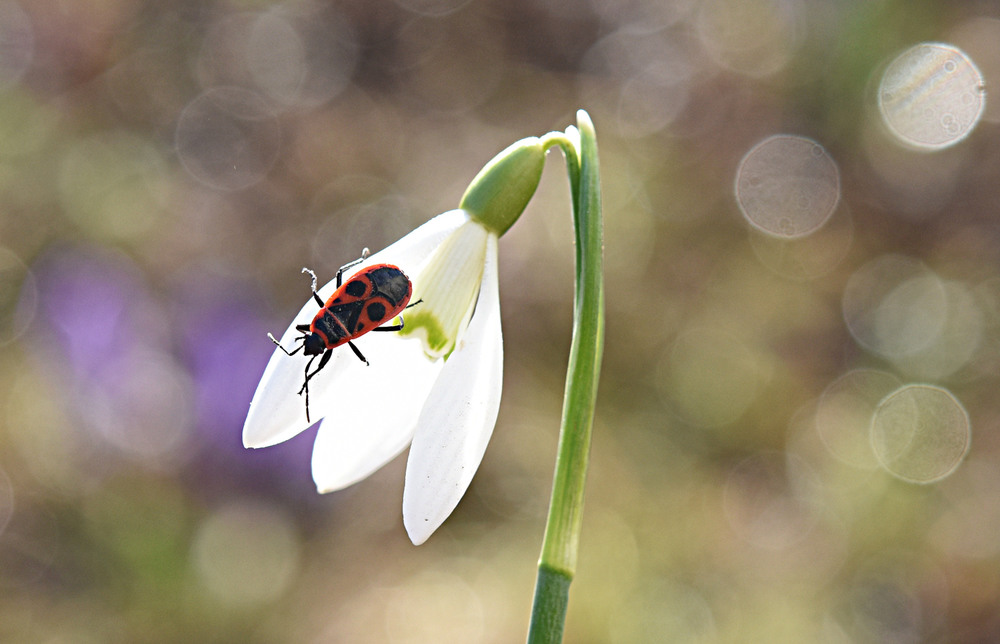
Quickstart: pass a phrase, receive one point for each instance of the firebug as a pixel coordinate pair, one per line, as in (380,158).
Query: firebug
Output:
(371,297)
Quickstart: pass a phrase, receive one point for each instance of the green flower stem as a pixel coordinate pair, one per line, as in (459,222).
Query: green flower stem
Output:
(557,564)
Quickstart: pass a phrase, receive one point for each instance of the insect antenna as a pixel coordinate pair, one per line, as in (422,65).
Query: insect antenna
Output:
(305,384)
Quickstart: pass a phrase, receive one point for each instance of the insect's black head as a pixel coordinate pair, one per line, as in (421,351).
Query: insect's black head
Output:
(313,345)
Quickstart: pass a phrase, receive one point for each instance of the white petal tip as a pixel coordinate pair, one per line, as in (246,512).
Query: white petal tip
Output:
(253,438)
(419,533)
(251,442)
(326,486)
(257,440)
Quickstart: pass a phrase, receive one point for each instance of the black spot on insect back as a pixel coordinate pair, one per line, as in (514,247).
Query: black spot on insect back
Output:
(355,288)
(375,311)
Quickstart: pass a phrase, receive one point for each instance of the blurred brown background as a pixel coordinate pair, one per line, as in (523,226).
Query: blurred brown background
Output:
(166,168)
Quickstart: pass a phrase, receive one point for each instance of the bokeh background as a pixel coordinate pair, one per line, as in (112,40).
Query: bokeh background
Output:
(796,438)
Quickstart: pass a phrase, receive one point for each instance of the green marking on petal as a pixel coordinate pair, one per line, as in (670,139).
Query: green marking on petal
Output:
(428,327)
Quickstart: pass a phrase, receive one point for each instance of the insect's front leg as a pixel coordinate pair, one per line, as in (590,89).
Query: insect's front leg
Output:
(298,348)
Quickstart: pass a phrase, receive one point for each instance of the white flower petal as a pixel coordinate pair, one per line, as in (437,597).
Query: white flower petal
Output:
(372,411)
(458,418)
(276,413)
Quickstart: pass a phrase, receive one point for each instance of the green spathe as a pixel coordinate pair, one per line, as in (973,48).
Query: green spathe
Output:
(501,191)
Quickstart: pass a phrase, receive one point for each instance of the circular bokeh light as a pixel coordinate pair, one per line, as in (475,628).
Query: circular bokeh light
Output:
(787,186)
(920,433)
(931,96)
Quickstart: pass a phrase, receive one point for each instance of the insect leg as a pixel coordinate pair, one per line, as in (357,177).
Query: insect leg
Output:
(287,352)
(315,294)
(340,273)
(394,327)
(397,327)
(358,353)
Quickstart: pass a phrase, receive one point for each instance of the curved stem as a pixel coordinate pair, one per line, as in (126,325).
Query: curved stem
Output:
(557,563)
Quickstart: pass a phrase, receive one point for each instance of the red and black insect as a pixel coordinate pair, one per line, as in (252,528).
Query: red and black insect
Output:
(374,295)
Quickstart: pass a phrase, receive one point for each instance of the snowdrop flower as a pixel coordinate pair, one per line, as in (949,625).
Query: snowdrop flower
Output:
(435,385)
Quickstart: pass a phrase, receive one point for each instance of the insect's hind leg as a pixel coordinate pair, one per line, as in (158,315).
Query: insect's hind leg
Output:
(357,351)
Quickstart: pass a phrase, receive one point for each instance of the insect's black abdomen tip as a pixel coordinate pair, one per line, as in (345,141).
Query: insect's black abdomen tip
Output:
(391,282)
